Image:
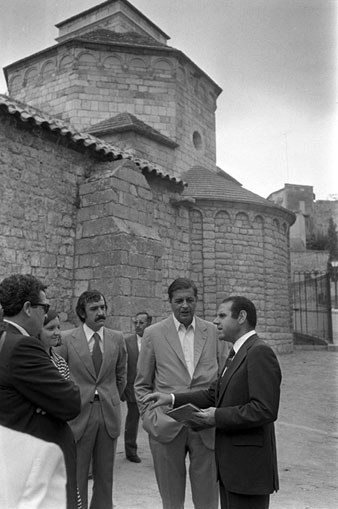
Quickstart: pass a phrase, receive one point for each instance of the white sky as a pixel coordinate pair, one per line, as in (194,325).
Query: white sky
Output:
(274,59)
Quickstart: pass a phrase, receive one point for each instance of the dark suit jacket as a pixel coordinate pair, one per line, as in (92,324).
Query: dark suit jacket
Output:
(132,350)
(29,380)
(247,402)
(109,384)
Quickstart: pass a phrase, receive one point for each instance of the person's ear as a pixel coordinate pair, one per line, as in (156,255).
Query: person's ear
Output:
(27,308)
(242,317)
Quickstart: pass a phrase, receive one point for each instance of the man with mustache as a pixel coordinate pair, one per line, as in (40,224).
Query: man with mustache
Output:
(97,361)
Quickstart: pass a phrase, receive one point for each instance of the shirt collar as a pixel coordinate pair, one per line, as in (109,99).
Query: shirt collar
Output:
(17,326)
(89,332)
(240,341)
(178,324)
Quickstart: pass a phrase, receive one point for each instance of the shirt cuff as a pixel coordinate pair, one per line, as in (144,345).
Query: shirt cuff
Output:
(172,400)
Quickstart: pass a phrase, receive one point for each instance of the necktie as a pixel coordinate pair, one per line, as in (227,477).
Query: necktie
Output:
(97,354)
(228,360)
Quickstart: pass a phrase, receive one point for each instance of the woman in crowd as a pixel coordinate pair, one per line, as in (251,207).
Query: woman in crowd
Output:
(50,337)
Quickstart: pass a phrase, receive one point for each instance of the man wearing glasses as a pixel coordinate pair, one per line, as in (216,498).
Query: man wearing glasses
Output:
(34,396)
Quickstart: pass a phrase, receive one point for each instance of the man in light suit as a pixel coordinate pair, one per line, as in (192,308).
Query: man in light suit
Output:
(34,397)
(242,405)
(179,353)
(32,472)
(97,361)
(133,344)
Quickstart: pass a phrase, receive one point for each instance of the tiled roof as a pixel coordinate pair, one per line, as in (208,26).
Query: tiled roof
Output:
(128,122)
(108,36)
(37,117)
(205,184)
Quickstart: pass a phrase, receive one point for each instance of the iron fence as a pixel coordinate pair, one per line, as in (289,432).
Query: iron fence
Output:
(312,305)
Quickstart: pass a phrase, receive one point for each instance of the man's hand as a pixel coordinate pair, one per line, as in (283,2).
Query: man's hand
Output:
(158,398)
(204,418)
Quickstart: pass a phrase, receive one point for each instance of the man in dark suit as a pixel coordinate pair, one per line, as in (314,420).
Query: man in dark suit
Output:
(97,361)
(133,344)
(242,405)
(179,353)
(34,396)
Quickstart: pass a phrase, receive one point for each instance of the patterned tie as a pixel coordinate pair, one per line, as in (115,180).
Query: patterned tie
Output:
(228,361)
(97,354)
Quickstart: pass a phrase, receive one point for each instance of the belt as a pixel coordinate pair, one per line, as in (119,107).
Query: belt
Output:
(96,397)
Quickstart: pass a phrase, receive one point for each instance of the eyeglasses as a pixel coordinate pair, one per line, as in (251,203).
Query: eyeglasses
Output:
(44,306)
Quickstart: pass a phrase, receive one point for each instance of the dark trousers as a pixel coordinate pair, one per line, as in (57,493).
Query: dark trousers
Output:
(131,429)
(230,500)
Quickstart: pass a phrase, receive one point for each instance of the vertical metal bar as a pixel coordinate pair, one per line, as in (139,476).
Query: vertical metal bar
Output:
(329,308)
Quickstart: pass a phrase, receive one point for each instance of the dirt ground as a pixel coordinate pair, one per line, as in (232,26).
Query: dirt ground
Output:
(307,438)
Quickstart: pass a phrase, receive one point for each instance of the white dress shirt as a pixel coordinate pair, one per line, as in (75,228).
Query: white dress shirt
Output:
(187,339)
(89,333)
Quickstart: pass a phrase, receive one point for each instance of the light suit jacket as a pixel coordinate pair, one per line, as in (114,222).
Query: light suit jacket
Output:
(32,472)
(162,367)
(132,350)
(109,384)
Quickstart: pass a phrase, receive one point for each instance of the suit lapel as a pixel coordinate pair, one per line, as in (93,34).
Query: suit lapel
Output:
(199,339)
(171,336)
(80,345)
(235,364)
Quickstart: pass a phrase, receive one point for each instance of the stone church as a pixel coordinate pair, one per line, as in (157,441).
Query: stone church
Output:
(109,179)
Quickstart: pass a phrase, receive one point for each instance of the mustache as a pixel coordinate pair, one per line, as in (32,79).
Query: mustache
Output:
(101,317)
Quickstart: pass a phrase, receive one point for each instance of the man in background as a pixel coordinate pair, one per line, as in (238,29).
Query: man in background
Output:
(133,344)
(97,361)
(34,396)
(179,353)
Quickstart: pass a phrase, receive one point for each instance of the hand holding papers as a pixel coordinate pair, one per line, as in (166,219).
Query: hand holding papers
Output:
(184,413)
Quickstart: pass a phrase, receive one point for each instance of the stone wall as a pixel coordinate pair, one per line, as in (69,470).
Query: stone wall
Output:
(130,241)
(236,251)
(38,208)
(85,86)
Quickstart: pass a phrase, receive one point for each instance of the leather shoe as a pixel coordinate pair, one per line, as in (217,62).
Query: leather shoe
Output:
(134,459)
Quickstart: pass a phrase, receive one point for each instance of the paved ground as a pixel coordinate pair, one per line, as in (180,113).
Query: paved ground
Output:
(307,437)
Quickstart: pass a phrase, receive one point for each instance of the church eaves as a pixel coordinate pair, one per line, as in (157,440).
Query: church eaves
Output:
(81,140)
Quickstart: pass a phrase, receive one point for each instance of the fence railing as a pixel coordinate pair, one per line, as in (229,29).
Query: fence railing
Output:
(312,305)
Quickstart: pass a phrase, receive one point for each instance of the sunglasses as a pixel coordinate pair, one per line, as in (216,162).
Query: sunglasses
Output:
(44,306)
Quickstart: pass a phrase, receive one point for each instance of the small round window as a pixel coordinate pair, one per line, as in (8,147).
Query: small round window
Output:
(197,140)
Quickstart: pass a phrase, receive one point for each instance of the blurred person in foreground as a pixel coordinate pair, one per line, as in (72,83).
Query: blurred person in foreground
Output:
(180,353)
(142,320)
(34,396)
(97,361)
(242,406)
(32,472)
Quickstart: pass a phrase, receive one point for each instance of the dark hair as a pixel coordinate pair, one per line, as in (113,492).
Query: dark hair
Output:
(149,317)
(3,325)
(181,283)
(52,313)
(17,289)
(85,297)
(242,303)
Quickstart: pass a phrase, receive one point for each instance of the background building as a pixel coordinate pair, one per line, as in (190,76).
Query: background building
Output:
(110,179)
